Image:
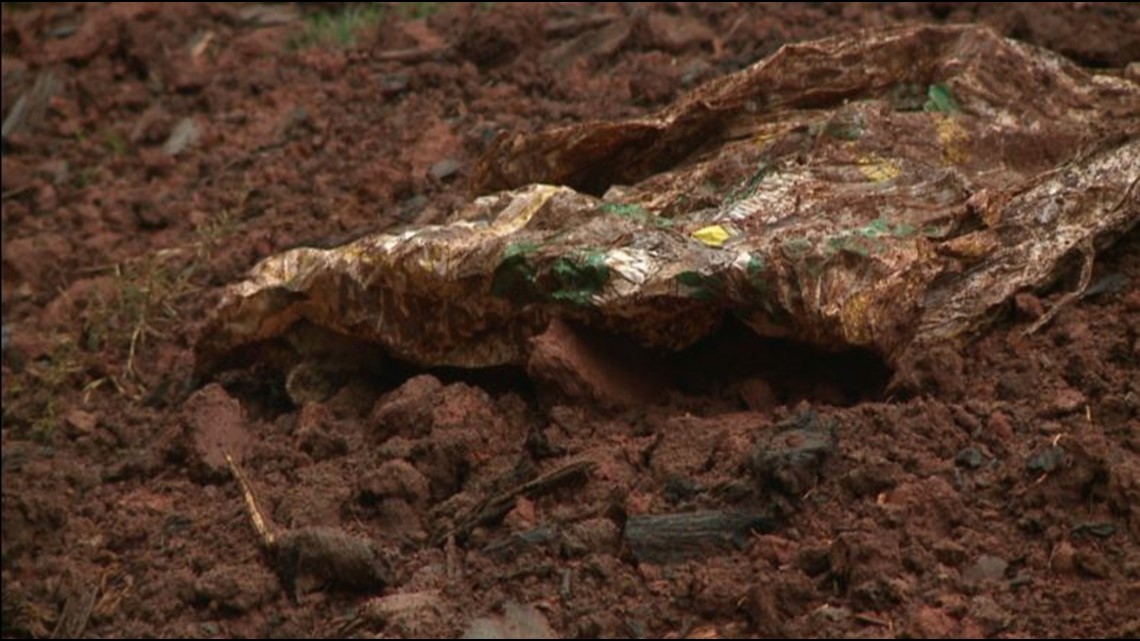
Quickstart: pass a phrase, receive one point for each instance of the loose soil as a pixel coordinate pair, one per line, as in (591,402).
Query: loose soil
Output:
(154,152)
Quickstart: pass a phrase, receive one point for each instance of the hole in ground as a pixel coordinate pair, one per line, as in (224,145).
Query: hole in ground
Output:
(733,368)
(734,358)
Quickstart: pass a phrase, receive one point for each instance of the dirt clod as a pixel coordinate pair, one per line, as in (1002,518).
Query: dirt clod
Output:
(333,558)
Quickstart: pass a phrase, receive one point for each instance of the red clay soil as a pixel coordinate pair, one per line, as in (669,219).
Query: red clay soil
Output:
(154,152)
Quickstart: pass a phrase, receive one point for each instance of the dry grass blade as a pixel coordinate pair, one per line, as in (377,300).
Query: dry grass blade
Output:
(268,539)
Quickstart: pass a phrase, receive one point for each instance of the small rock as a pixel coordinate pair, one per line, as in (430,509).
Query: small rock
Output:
(444,169)
(407,410)
(522,516)
(1066,401)
(518,621)
(1046,461)
(831,613)
(5,337)
(757,394)
(410,208)
(869,479)
(393,84)
(236,588)
(1102,529)
(970,458)
(312,382)
(992,617)
(333,557)
(791,459)
(216,425)
(409,614)
(268,15)
(949,552)
(1063,558)
(986,568)
(675,34)
(185,134)
(396,478)
(83,422)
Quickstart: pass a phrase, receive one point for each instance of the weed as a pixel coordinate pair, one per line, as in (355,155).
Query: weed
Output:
(146,298)
(115,144)
(339,28)
(418,10)
(37,393)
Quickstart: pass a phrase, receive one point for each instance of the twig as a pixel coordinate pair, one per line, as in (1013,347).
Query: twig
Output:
(268,539)
(568,27)
(497,506)
(411,56)
(76,612)
(1086,277)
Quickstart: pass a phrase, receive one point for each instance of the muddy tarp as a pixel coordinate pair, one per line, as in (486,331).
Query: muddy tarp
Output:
(884,191)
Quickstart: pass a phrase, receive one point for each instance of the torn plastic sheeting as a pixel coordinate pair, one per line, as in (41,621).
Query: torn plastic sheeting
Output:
(881,191)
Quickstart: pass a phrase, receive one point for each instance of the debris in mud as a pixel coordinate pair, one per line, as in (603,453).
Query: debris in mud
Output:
(184,135)
(1046,461)
(494,508)
(970,458)
(333,557)
(790,459)
(518,621)
(673,538)
(801,195)
(408,614)
(328,555)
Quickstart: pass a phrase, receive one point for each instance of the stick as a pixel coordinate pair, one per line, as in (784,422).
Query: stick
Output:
(268,539)
(1086,277)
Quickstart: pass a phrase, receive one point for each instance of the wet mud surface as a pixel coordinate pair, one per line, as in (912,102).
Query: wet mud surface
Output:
(744,487)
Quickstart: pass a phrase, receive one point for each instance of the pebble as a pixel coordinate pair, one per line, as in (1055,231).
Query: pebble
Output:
(184,135)
(445,168)
(969,458)
(987,567)
(1046,460)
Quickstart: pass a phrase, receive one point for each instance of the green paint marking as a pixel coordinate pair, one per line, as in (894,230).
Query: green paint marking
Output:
(755,273)
(869,239)
(578,278)
(520,249)
(699,287)
(747,187)
(635,212)
(940,99)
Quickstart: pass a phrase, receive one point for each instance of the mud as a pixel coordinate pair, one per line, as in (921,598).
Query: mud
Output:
(152,153)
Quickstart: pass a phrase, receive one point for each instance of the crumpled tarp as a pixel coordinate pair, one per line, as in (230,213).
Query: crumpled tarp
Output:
(882,191)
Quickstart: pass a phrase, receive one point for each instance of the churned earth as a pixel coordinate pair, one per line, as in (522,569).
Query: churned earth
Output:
(152,153)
